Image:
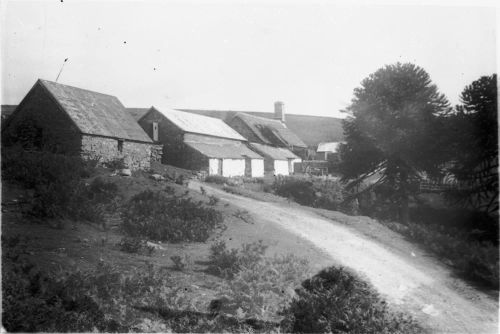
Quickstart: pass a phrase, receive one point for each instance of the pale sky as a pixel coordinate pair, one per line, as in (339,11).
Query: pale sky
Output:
(240,55)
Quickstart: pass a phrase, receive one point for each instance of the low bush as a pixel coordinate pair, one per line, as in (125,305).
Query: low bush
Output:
(311,191)
(39,168)
(135,246)
(263,288)
(168,217)
(217,179)
(116,164)
(336,301)
(74,199)
(226,262)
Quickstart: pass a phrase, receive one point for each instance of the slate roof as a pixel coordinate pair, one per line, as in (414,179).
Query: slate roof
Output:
(200,124)
(269,131)
(95,113)
(220,148)
(137,113)
(312,130)
(328,147)
(276,153)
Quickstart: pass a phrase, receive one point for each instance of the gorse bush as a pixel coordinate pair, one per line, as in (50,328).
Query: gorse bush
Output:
(315,192)
(217,179)
(264,287)
(168,217)
(74,199)
(135,246)
(39,168)
(226,262)
(59,191)
(336,301)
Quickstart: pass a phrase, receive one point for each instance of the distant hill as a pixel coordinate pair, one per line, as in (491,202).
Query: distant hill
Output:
(311,129)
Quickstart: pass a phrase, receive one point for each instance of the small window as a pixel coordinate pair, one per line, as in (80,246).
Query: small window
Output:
(155,131)
(120,145)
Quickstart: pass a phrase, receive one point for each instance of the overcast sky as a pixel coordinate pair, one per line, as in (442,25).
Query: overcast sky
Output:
(239,55)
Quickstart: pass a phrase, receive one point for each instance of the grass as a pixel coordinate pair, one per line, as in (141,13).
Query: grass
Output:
(472,259)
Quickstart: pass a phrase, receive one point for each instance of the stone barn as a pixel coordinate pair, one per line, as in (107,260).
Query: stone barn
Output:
(70,120)
(201,143)
(277,160)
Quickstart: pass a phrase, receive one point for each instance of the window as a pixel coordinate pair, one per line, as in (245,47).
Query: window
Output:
(120,145)
(155,131)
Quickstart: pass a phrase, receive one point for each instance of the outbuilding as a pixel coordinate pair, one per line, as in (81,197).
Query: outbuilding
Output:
(277,160)
(201,143)
(75,121)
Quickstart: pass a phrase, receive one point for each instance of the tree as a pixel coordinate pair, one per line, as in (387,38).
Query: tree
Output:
(393,131)
(473,144)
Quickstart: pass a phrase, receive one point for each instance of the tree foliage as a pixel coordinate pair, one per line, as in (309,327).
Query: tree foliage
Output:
(394,129)
(473,144)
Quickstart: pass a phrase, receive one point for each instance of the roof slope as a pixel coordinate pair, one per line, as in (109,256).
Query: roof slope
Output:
(200,124)
(95,113)
(220,148)
(276,153)
(269,131)
(137,113)
(328,147)
(311,129)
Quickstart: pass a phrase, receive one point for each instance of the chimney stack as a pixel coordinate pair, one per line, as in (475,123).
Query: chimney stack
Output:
(279,111)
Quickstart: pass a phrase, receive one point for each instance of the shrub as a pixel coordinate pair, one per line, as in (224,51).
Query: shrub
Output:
(115,164)
(213,200)
(227,262)
(168,217)
(74,199)
(264,288)
(337,301)
(135,246)
(315,192)
(39,168)
(180,262)
(217,179)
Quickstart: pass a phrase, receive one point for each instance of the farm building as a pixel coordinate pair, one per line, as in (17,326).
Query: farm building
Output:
(71,120)
(311,130)
(277,160)
(266,131)
(201,143)
(327,149)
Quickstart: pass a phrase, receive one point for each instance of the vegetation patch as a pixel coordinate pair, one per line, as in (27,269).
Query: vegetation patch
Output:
(336,301)
(474,260)
(165,216)
(59,191)
(226,262)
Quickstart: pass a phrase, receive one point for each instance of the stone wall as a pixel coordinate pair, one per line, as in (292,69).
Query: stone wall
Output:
(135,155)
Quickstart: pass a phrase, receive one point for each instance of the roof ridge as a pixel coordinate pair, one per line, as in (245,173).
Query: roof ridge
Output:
(44,81)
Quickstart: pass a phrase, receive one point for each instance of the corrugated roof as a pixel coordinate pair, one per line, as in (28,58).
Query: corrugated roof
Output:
(200,124)
(220,148)
(328,147)
(270,131)
(95,113)
(276,153)
(137,113)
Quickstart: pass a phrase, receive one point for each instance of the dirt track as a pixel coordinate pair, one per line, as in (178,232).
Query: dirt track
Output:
(406,276)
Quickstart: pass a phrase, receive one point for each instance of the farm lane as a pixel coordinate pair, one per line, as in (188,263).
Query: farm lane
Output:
(405,275)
